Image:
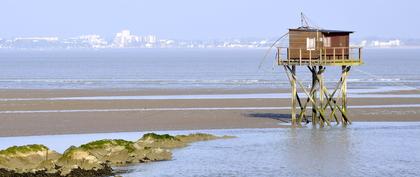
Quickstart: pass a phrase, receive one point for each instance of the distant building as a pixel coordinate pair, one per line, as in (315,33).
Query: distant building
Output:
(125,39)
(34,42)
(390,43)
(95,41)
(150,39)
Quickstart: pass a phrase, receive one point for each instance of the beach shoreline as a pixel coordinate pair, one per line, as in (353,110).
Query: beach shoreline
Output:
(46,116)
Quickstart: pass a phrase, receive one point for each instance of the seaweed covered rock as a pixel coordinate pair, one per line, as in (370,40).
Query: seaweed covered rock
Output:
(102,172)
(153,140)
(77,158)
(29,158)
(39,161)
(194,137)
(111,151)
(121,152)
(147,154)
(42,173)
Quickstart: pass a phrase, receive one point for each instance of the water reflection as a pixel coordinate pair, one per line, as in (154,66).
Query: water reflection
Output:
(325,151)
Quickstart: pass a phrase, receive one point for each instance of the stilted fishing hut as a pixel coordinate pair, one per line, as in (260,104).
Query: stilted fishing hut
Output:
(316,49)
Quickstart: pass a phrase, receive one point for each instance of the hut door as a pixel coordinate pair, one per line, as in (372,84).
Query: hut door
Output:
(327,41)
(310,43)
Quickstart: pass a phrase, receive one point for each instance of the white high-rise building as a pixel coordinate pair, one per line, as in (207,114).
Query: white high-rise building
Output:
(124,39)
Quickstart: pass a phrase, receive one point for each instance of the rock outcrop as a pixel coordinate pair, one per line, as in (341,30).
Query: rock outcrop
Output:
(194,137)
(76,158)
(152,140)
(29,158)
(92,159)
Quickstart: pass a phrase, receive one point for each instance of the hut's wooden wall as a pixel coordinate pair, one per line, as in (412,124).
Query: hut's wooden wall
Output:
(297,40)
(337,41)
(298,47)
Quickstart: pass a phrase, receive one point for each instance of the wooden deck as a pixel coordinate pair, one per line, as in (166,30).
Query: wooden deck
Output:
(332,56)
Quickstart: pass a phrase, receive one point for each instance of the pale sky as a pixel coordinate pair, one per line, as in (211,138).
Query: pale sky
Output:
(206,19)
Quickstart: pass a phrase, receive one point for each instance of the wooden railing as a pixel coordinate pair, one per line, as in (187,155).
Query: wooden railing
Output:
(319,56)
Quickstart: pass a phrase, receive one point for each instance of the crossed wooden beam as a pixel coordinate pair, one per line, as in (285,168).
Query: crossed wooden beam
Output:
(326,98)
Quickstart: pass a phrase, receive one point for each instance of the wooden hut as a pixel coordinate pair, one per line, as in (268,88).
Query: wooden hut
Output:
(314,46)
(315,49)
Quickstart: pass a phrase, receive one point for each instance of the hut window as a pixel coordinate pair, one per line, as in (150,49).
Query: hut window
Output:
(310,43)
(327,41)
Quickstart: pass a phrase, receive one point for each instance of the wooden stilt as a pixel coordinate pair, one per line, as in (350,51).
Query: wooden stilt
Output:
(324,92)
(315,118)
(321,91)
(345,70)
(325,100)
(302,111)
(308,94)
(333,107)
(294,94)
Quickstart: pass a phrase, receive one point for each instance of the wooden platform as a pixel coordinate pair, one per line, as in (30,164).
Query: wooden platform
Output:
(333,56)
(322,63)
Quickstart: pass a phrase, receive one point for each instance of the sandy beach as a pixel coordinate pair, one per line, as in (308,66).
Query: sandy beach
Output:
(36,112)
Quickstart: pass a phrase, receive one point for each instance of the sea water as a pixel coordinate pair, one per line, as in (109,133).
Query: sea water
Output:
(361,149)
(189,68)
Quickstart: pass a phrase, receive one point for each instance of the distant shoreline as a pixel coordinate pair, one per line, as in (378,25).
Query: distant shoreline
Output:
(176,48)
(399,47)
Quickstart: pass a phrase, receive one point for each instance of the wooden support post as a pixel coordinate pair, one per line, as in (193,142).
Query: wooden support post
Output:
(313,95)
(323,101)
(345,70)
(330,98)
(332,102)
(310,57)
(300,56)
(294,93)
(325,56)
(321,87)
(303,108)
(320,56)
(321,113)
(302,113)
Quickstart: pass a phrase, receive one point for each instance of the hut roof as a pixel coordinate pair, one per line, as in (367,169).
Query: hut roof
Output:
(327,31)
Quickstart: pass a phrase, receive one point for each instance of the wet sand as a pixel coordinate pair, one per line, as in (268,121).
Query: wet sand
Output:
(129,118)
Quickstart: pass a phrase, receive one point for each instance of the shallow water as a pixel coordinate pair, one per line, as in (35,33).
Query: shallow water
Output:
(362,149)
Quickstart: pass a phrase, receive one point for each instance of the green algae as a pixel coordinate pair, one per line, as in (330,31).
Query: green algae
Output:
(68,152)
(195,135)
(159,137)
(23,149)
(108,142)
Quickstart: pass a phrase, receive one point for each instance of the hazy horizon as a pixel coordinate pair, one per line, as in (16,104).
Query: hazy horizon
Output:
(187,19)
